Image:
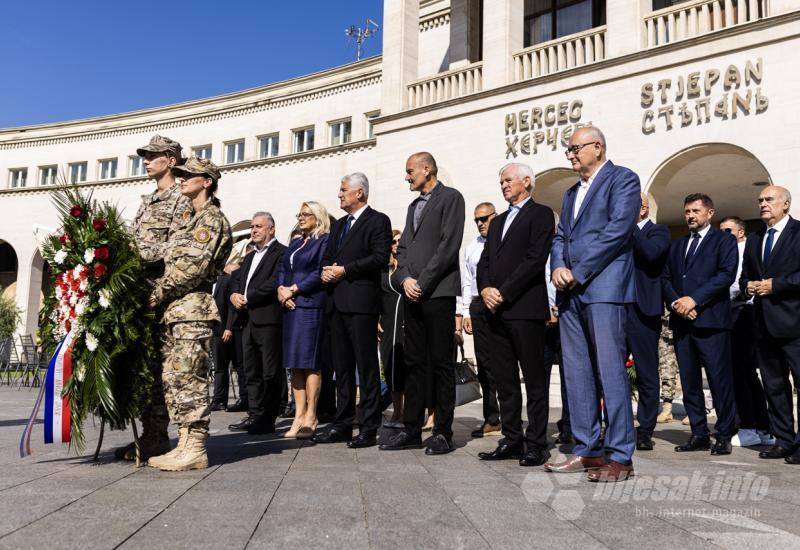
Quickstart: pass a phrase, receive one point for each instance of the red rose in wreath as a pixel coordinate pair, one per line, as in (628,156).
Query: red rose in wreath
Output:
(76,211)
(100,270)
(98,224)
(101,253)
(64,239)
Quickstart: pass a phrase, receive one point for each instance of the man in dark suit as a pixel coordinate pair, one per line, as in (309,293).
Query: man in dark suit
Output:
(700,268)
(771,274)
(357,251)
(592,267)
(512,285)
(226,343)
(266,378)
(650,246)
(428,271)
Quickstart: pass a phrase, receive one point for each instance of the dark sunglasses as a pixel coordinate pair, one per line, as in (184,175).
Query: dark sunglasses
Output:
(727,230)
(484,219)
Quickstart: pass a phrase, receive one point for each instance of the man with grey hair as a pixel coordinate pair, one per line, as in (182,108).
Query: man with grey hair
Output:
(262,336)
(356,253)
(511,281)
(771,275)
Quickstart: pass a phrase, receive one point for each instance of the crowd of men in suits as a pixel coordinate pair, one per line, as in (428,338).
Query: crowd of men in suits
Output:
(596,279)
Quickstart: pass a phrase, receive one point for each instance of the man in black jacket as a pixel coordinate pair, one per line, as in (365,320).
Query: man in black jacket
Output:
(511,282)
(266,378)
(226,344)
(357,251)
(428,271)
(771,273)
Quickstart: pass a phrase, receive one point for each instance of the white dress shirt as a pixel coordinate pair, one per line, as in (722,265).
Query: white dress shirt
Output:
(583,189)
(734,290)
(513,210)
(357,214)
(551,288)
(642,223)
(778,227)
(703,232)
(258,256)
(469,281)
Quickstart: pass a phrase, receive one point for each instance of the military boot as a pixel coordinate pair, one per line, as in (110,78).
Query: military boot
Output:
(150,446)
(192,457)
(183,437)
(666,413)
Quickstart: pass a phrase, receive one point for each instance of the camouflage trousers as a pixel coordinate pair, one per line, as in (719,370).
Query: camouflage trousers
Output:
(155,418)
(667,365)
(185,348)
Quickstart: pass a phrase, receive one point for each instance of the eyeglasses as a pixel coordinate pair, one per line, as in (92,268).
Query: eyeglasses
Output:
(484,219)
(575,149)
(303,215)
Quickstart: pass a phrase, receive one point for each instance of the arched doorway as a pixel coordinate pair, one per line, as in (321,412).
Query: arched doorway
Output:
(8,270)
(729,174)
(38,284)
(551,186)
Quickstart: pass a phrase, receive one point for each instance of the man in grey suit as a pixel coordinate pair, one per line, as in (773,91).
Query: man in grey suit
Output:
(428,271)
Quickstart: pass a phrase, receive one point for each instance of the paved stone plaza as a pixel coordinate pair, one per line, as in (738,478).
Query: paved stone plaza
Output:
(267,492)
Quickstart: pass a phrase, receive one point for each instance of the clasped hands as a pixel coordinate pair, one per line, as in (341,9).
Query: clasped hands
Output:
(332,273)
(563,279)
(492,298)
(238,300)
(685,307)
(412,289)
(286,296)
(759,288)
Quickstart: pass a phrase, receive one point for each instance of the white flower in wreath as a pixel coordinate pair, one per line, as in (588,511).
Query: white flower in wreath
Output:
(80,307)
(105,299)
(73,299)
(88,257)
(91,341)
(60,256)
(59,293)
(78,269)
(84,284)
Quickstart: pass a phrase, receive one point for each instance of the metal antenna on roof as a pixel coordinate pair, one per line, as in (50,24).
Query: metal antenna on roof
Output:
(361,34)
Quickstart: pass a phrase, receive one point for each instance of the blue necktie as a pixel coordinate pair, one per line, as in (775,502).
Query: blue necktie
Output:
(692,248)
(346,228)
(768,246)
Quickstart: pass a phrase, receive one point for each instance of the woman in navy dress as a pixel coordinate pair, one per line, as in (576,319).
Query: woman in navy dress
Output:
(302,296)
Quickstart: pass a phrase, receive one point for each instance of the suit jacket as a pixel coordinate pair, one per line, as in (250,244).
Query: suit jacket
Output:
(221,297)
(304,271)
(515,265)
(430,254)
(650,247)
(237,318)
(263,307)
(777,312)
(598,245)
(706,278)
(363,253)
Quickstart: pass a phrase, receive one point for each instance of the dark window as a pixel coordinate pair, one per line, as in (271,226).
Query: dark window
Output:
(550,19)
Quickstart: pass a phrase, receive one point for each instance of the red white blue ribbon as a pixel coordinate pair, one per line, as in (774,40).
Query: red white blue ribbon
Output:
(57,421)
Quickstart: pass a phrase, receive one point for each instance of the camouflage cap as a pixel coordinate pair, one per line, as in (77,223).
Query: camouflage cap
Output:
(196,165)
(161,144)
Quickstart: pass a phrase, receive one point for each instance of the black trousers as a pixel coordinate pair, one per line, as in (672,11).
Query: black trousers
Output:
(326,405)
(224,353)
(483,359)
(552,354)
(750,401)
(777,358)
(712,349)
(642,337)
(429,347)
(263,366)
(515,344)
(354,343)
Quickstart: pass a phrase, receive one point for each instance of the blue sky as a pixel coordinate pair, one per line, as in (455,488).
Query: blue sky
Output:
(67,59)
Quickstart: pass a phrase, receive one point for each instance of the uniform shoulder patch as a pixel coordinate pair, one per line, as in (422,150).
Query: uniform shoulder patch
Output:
(202,235)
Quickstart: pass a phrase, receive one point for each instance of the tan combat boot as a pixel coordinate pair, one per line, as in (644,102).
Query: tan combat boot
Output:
(666,413)
(183,437)
(192,457)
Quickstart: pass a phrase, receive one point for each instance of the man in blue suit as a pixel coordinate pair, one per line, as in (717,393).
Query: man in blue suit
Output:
(650,246)
(591,263)
(700,269)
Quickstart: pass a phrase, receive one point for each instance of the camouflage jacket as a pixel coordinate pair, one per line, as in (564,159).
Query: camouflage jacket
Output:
(160,215)
(195,256)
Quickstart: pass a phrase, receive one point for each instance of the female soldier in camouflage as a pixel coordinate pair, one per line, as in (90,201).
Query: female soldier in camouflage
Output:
(195,256)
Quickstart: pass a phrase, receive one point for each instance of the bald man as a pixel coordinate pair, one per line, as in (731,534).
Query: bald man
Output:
(650,246)
(771,275)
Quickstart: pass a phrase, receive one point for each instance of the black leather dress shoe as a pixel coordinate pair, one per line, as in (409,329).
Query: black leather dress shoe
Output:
(239,406)
(217,406)
(262,427)
(288,412)
(334,434)
(695,443)
(504,451)
(400,441)
(776,451)
(793,459)
(534,457)
(565,438)
(722,446)
(645,443)
(362,440)
(243,425)
(439,445)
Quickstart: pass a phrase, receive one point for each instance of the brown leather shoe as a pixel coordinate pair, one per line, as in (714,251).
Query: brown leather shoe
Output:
(576,464)
(611,472)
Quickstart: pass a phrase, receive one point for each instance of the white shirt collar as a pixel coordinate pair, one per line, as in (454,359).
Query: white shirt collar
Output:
(266,246)
(642,223)
(520,204)
(358,212)
(781,225)
(588,182)
(703,232)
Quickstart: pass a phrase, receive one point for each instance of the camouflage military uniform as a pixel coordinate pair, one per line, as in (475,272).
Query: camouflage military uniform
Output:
(667,364)
(196,255)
